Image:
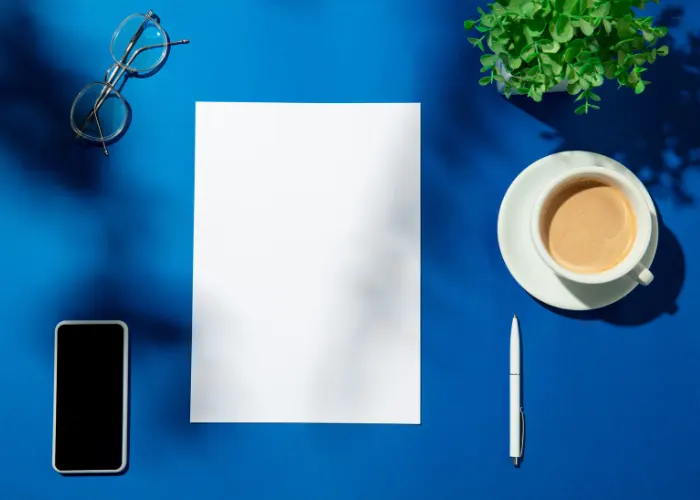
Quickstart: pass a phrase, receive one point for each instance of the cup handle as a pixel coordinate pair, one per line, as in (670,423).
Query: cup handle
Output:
(641,275)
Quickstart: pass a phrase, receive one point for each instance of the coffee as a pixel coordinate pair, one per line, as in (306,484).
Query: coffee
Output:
(588,226)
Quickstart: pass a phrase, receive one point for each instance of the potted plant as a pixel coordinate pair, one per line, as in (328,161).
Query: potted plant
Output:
(539,46)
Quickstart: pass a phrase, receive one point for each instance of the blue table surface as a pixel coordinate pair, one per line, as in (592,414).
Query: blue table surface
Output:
(612,398)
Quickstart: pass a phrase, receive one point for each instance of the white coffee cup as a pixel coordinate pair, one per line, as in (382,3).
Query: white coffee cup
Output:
(631,265)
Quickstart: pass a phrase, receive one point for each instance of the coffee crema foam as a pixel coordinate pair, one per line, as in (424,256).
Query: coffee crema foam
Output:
(588,226)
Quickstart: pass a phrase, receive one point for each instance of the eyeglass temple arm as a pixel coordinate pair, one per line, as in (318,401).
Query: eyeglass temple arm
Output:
(149,47)
(137,35)
(149,15)
(119,71)
(111,80)
(102,136)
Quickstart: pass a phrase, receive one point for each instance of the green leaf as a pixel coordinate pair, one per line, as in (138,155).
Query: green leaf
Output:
(482,29)
(648,36)
(497,8)
(622,42)
(527,8)
(553,62)
(639,88)
(662,51)
(469,24)
(593,106)
(607,26)
(586,28)
(593,96)
(549,47)
(535,27)
(581,110)
(562,30)
(640,59)
(571,53)
(651,56)
(488,60)
(489,20)
(476,42)
(624,26)
(583,55)
(515,63)
(633,77)
(602,11)
(573,88)
(496,44)
(582,95)
(484,69)
(528,53)
(570,7)
(609,69)
(499,78)
(485,80)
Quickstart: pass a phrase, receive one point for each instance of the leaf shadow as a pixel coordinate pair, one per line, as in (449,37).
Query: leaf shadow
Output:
(125,286)
(651,133)
(36,96)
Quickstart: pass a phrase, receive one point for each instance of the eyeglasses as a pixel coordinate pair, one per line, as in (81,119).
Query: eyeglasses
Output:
(139,47)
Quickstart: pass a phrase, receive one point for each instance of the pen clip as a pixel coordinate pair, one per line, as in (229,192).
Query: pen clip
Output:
(522,431)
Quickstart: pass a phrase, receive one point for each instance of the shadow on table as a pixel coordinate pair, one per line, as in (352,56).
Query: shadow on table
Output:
(36,139)
(452,99)
(654,133)
(124,287)
(645,303)
(35,97)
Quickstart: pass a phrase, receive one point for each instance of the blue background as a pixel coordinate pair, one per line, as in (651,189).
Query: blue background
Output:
(612,398)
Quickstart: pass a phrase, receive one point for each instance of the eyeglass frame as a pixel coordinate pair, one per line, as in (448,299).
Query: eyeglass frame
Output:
(121,68)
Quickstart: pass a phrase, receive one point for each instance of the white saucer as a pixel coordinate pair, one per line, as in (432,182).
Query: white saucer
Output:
(519,252)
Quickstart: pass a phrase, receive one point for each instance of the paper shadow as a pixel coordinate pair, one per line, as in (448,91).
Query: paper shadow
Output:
(644,304)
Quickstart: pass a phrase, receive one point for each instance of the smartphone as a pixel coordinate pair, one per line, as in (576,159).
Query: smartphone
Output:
(91,373)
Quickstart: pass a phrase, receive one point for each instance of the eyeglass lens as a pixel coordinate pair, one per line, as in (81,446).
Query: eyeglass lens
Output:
(144,39)
(111,114)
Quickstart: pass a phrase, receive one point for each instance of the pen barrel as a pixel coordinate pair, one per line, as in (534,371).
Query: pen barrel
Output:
(515,422)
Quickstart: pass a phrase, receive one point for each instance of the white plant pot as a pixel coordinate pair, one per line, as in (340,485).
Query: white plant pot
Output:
(560,87)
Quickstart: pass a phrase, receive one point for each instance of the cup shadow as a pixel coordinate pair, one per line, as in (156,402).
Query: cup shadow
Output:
(645,303)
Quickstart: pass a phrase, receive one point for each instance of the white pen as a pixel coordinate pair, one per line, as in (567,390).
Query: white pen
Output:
(516,411)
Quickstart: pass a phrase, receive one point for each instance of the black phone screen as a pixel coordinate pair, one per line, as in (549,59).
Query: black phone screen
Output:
(90,402)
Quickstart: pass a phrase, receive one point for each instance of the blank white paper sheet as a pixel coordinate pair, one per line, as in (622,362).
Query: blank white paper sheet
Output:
(306,302)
